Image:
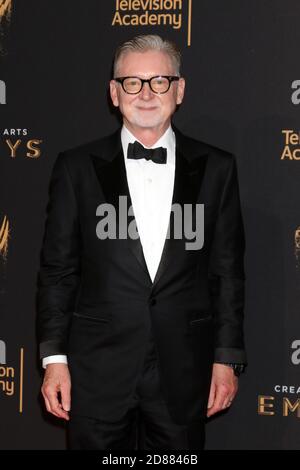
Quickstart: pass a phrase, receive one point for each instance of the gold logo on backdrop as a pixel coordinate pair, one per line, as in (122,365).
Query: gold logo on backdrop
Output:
(9,379)
(5,8)
(152,13)
(266,406)
(4,235)
(28,147)
(297,246)
(287,405)
(31,145)
(291,149)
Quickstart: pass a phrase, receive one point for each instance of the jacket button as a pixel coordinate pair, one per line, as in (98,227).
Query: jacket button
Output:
(153,301)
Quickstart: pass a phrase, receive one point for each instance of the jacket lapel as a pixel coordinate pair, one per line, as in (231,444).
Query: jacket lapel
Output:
(108,160)
(110,169)
(189,173)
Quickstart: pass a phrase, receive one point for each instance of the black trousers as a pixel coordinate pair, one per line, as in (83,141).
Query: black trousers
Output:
(147,424)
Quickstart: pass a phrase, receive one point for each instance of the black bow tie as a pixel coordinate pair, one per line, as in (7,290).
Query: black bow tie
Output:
(137,151)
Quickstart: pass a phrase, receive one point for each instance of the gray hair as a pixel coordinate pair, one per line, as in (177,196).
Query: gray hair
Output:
(148,42)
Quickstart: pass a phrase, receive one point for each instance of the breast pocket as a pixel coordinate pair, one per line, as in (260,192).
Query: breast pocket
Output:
(91,318)
(201,320)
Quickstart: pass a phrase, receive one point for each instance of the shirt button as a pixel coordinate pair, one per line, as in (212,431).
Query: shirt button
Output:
(149,180)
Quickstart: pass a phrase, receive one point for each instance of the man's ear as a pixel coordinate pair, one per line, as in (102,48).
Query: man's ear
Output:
(114,92)
(180,90)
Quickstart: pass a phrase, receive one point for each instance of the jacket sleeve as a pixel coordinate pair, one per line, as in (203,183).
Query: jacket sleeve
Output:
(59,274)
(226,272)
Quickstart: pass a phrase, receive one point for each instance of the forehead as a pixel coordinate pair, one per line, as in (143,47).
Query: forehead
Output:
(145,64)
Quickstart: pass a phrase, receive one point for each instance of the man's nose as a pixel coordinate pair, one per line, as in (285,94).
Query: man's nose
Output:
(146,91)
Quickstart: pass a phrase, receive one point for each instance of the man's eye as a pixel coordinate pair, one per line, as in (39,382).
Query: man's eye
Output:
(159,81)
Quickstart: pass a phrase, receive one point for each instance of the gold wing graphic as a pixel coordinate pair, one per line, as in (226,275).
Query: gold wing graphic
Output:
(5,8)
(4,234)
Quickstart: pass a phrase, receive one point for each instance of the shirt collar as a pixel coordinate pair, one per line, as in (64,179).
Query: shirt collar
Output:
(167,140)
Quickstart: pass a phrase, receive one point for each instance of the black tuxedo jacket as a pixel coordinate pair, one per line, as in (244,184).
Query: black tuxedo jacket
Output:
(96,301)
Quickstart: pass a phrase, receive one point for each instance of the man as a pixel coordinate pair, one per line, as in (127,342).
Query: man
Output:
(145,332)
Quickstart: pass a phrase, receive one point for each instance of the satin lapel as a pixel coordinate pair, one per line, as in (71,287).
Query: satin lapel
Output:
(113,181)
(187,184)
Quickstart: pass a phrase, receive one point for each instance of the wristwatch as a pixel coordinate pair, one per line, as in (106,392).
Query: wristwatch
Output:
(237,368)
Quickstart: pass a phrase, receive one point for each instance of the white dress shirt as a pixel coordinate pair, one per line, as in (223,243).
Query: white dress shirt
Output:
(151,189)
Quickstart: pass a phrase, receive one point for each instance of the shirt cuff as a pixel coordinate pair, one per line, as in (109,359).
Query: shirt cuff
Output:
(56,359)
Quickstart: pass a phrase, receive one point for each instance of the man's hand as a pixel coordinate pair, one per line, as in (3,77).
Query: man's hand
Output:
(223,388)
(57,380)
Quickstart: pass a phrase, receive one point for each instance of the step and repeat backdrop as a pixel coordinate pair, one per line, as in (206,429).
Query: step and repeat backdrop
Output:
(240,61)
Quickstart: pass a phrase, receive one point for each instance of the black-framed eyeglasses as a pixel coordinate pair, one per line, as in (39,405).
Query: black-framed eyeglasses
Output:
(158,84)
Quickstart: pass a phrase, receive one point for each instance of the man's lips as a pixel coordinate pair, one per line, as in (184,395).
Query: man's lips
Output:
(147,109)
